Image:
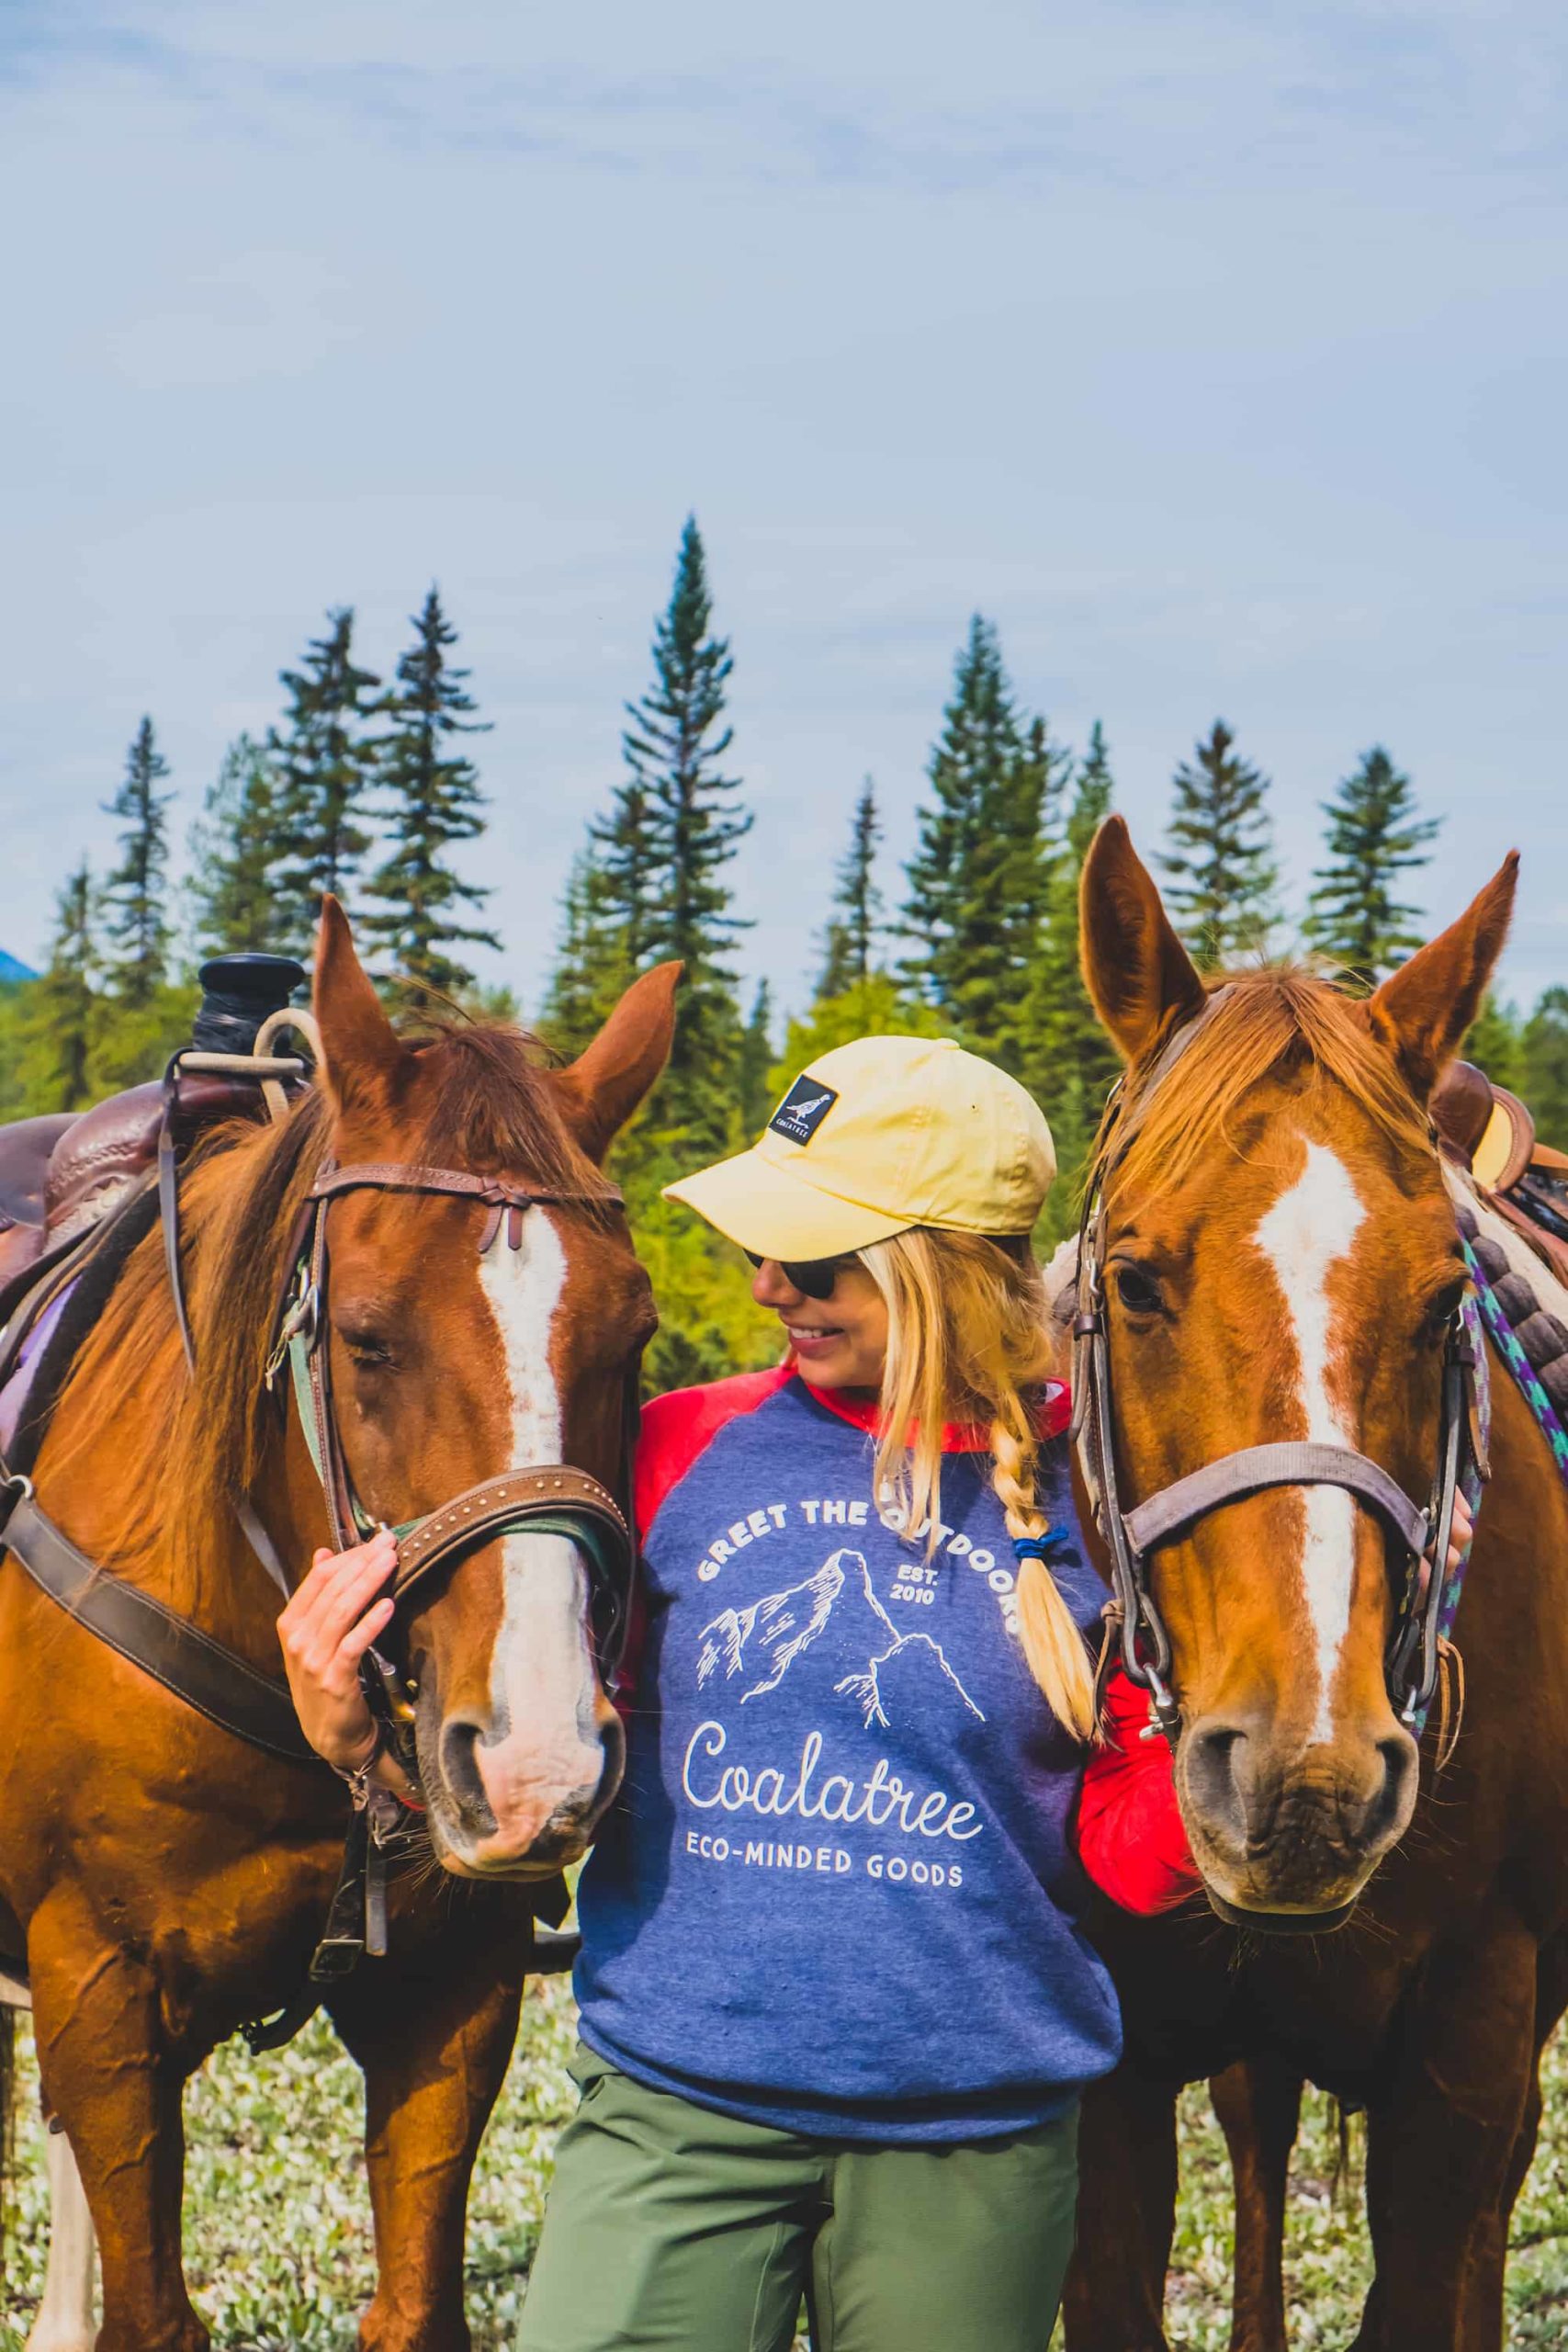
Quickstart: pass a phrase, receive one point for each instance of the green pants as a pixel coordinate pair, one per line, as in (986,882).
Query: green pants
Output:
(673,2227)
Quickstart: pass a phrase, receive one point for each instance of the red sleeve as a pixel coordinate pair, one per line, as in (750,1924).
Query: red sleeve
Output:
(1130,1840)
(674,1430)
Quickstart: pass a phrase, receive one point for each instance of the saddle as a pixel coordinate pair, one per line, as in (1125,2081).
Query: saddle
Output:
(1489,1132)
(62,1175)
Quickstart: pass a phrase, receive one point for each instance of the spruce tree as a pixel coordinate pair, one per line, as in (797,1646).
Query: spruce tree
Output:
(1223,876)
(1494,1043)
(673,748)
(56,1018)
(978,877)
(232,849)
(136,915)
(626,867)
(755,1061)
(1071,1064)
(326,763)
(433,799)
(855,923)
(1544,1067)
(1355,918)
(591,966)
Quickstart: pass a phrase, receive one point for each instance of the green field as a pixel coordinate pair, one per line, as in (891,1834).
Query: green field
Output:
(278,2234)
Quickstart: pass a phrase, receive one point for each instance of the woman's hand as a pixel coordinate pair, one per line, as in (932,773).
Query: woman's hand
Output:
(326,1629)
(1460,1535)
(1463,1529)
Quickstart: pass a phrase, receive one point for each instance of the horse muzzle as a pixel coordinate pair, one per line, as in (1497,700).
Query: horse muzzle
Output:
(1288,1841)
(502,1804)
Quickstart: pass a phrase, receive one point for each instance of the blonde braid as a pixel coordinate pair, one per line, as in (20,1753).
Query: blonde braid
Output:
(1052,1641)
(968,1339)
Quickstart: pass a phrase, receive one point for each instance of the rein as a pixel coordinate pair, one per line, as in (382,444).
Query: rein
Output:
(1414,1663)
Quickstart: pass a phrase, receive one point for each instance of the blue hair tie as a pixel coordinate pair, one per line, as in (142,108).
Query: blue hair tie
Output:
(1038,1547)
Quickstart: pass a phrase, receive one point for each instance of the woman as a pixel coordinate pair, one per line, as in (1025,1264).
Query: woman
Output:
(836,2008)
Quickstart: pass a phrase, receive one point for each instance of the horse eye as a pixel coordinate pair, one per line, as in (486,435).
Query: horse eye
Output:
(368,1349)
(1441,1310)
(1138,1292)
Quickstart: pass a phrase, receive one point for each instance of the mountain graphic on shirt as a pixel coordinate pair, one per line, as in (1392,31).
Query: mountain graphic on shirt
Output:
(903,1672)
(905,1683)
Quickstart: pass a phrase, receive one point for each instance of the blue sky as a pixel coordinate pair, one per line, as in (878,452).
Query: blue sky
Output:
(1216,352)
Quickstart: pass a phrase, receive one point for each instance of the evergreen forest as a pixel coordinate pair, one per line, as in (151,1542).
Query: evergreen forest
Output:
(370,785)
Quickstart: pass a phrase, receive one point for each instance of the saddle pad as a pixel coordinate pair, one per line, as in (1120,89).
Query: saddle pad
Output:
(1529,1293)
(15,1393)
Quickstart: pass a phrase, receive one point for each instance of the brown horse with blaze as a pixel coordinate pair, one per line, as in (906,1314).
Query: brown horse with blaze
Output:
(171,1881)
(1281,1263)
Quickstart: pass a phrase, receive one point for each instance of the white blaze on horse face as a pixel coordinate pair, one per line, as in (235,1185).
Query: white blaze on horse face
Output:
(542,1671)
(1310,1230)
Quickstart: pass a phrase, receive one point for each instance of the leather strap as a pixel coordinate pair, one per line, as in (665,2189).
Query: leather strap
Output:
(1294,1463)
(472,1517)
(411,1176)
(169,1215)
(188,1663)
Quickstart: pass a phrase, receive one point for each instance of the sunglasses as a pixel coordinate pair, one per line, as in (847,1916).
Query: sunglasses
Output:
(813,1277)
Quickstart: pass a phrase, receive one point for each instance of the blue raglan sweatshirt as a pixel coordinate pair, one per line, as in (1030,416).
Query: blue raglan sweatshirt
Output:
(837,1895)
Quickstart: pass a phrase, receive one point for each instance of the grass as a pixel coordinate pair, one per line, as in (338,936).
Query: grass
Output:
(277,2231)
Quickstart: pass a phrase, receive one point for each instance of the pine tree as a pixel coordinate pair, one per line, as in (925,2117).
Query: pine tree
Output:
(56,1018)
(673,748)
(626,861)
(978,877)
(136,894)
(855,924)
(1374,836)
(1544,1067)
(1071,1064)
(233,848)
(1494,1043)
(755,1061)
(1224,877)
(326,764)
(592,968)
(434,800)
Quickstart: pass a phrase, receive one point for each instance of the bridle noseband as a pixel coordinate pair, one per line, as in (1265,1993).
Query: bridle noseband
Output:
(1413,1663)
(551,1497)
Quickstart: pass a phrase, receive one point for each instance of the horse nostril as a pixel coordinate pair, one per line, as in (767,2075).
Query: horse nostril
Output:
(1389,1805)
(460,1772)
(1215,1766)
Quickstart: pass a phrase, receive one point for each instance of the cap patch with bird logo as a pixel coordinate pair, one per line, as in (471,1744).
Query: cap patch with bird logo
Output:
(803,1110)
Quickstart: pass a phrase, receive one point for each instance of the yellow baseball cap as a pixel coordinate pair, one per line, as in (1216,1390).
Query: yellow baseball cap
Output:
(877,1135)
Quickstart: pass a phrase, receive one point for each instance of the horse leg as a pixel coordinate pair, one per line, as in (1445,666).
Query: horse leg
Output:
(1259,2102)
(1444,2147)
(434,2049)
(64,2321)
(108,2075)
(1115,2292)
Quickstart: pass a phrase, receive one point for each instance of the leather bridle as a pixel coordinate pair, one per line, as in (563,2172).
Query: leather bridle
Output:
(550,1498)
(1134,1623)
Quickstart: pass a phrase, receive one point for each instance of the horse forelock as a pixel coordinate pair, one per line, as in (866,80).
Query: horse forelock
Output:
(478,1098)
(1276,1021)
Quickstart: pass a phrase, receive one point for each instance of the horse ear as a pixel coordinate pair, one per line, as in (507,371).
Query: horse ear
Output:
(360,1048)
(604,1086)
(1135,968)
(1423,1010)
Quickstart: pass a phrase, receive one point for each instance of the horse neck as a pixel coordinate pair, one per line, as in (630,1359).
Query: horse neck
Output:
(98,1460)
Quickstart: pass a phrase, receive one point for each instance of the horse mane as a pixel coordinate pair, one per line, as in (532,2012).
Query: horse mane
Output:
(205,1441)
(1270,1021)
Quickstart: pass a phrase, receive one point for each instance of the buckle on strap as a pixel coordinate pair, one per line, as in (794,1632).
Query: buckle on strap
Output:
(299,1322)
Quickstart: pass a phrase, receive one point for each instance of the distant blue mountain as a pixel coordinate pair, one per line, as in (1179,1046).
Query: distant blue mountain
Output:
(11,970)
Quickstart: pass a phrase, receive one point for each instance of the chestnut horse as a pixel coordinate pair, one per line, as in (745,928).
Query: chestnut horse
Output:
(170,1881)
(1281,1263)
